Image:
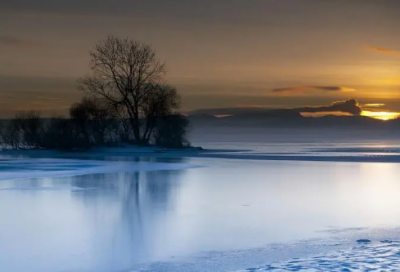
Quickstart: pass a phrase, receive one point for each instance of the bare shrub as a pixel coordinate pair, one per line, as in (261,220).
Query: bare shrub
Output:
(171,131)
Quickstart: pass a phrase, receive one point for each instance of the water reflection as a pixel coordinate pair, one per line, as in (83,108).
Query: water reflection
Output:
(127,209)
(99,222)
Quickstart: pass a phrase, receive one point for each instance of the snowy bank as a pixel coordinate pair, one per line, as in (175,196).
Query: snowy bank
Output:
(314,155)
(15,168)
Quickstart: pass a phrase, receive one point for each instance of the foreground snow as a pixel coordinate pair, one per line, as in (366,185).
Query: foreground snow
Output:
(383,256)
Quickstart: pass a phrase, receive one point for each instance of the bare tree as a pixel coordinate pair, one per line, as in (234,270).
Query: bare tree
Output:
(30,126)
(11,134)
(160,101)
(127,74)
(94,120)
(80,116)
(124,129)
(1,134)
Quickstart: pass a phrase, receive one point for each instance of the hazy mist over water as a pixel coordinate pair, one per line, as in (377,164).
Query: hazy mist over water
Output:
(255,138)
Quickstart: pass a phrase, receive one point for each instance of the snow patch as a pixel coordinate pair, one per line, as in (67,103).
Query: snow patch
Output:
(384,256)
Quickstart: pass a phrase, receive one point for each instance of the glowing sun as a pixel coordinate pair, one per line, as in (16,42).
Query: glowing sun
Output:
(381,115)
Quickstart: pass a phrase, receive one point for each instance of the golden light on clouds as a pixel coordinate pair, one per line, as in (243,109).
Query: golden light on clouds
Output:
(382,50)
(391,81)
(222,115)
(305,89)
(386,82)
(374,105)
(381,115)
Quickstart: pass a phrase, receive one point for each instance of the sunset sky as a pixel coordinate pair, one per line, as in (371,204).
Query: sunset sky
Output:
(219,53)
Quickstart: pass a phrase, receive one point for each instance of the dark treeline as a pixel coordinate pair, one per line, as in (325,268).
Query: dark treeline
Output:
(89,125)
(126,101)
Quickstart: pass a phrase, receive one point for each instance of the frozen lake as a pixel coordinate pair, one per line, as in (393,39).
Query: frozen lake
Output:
(198,214)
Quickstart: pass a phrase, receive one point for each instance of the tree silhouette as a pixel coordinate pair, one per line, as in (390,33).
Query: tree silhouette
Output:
(30,126)
(127,75)
(94,121)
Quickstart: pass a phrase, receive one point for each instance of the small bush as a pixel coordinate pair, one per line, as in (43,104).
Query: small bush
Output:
(171,131)
(60,134)
(11,134)
(94,122)
(30,127)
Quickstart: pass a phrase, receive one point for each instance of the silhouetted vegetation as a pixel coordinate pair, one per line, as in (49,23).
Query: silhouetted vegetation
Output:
(127,75)
(10,134)
(29,128)
(171,131)
(62,134)
(126,103)
(94,122)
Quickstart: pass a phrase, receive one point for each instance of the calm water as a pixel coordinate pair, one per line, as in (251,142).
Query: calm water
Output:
(117,221)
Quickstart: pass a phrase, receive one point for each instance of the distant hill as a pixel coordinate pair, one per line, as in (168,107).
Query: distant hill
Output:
(241,113)
(288,119)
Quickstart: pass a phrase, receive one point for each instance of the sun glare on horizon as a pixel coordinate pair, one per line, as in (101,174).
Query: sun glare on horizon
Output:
(381,115)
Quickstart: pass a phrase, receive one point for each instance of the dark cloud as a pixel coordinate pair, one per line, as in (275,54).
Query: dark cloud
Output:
(261,12)
(11,41)
(348,106)
(301,89)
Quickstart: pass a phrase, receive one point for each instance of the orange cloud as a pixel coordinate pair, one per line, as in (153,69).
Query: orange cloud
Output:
(260,106)
(325,113)
(222,115)
(374,105)
(302,89)
(383,50)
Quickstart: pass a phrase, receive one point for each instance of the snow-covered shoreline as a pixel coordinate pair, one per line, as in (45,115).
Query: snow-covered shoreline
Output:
(379,155)
(17,168)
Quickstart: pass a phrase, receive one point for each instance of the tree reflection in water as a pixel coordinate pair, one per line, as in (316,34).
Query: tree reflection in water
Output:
(128,212)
